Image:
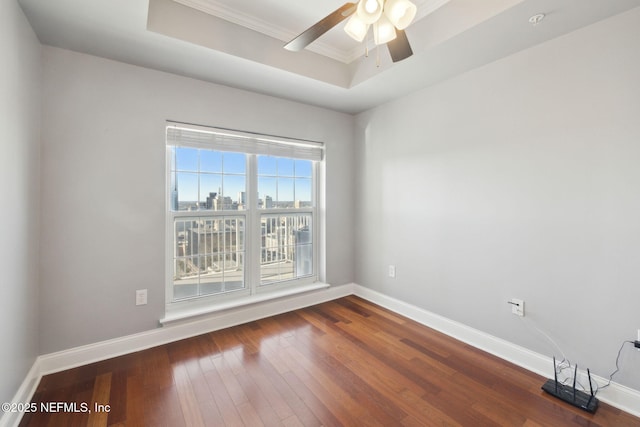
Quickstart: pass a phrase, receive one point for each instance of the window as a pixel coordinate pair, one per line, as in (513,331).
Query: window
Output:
(241,215)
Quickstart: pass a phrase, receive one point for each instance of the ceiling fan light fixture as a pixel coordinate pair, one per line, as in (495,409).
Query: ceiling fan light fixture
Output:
(356,28)
(371,6)
(360,14)
(400,12)
(369,11)
(383,31)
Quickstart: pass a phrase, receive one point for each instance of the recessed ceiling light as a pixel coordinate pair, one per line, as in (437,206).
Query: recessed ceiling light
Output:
(536,19)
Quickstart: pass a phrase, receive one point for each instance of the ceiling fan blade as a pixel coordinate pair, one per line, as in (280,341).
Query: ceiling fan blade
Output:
(321,27)
(399,48)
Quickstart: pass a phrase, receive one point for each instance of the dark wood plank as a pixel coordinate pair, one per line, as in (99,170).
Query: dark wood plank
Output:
(187,397)
(225,405)
(399,48)
(99,405)
(344,362)
(321,27)
(134,395)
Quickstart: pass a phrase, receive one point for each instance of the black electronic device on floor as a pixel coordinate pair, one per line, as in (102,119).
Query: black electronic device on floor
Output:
(569,394)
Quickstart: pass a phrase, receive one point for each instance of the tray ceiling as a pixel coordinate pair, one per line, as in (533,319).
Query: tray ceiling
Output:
(239,43)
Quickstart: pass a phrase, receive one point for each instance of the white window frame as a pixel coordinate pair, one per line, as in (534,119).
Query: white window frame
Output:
(195,136)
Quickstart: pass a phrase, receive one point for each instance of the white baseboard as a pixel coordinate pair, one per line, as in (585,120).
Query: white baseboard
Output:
(23,395)
(616,395)
(619,396)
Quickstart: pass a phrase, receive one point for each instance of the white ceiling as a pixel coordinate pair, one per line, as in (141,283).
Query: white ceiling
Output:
(239,43)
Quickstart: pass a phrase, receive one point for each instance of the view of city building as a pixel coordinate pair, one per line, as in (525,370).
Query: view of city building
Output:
(210,251)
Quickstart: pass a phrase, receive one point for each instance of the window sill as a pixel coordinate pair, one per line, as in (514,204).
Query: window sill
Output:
(186,313)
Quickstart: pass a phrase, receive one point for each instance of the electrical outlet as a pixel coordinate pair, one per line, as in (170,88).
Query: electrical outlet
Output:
(141,297)
(517,307)
(392,271)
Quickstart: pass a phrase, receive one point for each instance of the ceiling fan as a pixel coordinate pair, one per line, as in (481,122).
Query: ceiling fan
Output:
(389,18)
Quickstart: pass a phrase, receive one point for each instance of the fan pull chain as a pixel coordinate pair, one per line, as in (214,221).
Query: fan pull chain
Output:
(377,56)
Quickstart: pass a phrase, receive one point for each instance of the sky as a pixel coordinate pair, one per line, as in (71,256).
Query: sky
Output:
(200,172)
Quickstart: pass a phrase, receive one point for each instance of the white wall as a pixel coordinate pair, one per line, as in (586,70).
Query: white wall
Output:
(20,93)
(518,179)
(103,193)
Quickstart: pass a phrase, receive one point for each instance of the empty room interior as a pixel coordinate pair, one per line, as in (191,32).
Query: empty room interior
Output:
(223,212)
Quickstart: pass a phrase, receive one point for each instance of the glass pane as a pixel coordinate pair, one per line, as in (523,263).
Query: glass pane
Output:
(173,191)
(182,238)
(234,191)
(303,242)
(285,193)
(210,161)
(215,256)
(269,273)
(274,249)
(303,168)
(206,237)
(267,165)
(242,200)
(186,159)
(185,278)
(304,260)
(234,163)
(212,277)
(303,192)
(267,190)
(285,167)
(210,187)
(187,191)
(239,226)
(226,272)
(234,272)
(235,240)
(287,248)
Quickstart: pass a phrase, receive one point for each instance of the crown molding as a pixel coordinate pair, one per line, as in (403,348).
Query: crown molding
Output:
(223,11)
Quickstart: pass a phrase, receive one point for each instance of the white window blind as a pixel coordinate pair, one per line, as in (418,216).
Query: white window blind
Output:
(242,142)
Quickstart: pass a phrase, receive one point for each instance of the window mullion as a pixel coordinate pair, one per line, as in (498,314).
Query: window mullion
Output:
(315,200)
(253,232)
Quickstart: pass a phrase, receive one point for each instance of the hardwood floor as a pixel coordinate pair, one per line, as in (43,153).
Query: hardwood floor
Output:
(346,362)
